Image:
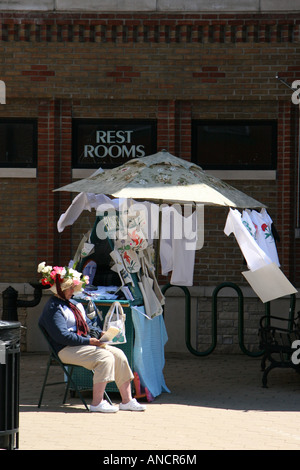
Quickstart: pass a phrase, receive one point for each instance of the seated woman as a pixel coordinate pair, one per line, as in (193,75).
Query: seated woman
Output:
(77,342)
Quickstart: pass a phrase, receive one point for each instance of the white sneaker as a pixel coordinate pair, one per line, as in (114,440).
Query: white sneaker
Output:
(104,407)
(132,405)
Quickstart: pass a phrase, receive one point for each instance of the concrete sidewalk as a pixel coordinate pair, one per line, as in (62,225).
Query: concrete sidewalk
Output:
(216,402)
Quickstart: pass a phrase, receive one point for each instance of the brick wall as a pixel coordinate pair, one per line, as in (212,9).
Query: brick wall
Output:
(173,68)
(149,55)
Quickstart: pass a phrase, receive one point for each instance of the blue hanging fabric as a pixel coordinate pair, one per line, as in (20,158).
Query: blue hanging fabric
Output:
(148,352)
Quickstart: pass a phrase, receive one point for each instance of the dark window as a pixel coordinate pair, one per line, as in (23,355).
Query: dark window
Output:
(110,143)
(18,143)
(235,145)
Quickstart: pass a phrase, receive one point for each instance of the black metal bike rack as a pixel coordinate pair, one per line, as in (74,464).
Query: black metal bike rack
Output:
(214,318)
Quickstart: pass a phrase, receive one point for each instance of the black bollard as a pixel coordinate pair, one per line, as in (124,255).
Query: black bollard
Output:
(10,301)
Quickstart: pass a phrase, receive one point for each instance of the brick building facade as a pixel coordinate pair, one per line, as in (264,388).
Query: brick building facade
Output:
(173,68)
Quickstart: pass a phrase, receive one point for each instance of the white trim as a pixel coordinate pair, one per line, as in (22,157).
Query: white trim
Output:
(17,172)
(244,174)
(218,6)
(2,92)
(78,173)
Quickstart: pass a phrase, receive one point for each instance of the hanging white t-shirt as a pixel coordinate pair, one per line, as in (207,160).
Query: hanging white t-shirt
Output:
(264,235)
(255,257)
(246,219)
(83,201)
(177,246)
(184,254)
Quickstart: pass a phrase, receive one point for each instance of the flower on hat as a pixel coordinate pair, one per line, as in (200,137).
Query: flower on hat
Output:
(50,274)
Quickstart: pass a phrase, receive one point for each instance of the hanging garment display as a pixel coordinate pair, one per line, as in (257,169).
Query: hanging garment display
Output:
(83,201)
(153,306)
(255,257)
(246,219)
(129,255)
(148,260)
(177,246)
(148,354)
(137,226)
(125,228)
(264,235)
(77,255)
(151,227)
(134,241)
(264,275)
(119,268)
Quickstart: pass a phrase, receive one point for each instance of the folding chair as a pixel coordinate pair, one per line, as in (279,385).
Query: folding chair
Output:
(68,371)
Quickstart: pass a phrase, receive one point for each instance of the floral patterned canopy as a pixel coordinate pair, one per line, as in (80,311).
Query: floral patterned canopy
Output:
(163,177)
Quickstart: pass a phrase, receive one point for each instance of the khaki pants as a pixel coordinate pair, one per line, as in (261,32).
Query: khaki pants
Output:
(109,363)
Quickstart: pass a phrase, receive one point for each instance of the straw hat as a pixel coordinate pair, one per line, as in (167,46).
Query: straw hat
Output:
(66,284)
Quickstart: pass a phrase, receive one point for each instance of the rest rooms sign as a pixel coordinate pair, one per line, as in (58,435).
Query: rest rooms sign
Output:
(107,143)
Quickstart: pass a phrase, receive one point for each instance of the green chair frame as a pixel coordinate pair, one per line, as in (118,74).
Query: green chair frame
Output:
(68,371)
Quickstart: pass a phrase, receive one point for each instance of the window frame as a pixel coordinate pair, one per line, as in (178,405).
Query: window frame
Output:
(271,166)
(34,122)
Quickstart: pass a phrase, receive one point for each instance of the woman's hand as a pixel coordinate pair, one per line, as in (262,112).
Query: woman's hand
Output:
(95,342)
